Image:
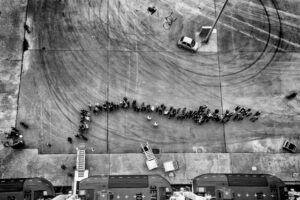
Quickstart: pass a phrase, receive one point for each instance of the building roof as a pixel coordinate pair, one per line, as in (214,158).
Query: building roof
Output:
(12,185)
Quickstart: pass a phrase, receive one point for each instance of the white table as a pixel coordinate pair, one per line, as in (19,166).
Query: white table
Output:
(170,166)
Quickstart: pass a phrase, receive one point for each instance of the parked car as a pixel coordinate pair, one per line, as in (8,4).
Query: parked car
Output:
(188,43)
(289,146)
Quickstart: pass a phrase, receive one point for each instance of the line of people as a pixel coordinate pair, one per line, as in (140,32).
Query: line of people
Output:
(200,116)
(85,119)
(85,115)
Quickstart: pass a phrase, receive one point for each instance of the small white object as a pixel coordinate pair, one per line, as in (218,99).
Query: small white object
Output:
(169,166)
(151,164)
(149,117)
(254,168)
(172,174)
(82,192)
(155,124)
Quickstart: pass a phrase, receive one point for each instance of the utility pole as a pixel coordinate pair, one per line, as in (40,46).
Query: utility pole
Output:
(205,40)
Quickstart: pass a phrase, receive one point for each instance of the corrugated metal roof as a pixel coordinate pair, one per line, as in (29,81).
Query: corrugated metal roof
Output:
(11,185)
(247,180)
(133,181)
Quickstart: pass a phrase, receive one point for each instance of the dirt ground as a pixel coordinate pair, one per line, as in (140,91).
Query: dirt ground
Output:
(93,51)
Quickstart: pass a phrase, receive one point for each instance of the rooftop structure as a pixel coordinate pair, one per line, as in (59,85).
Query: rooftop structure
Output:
(28,189)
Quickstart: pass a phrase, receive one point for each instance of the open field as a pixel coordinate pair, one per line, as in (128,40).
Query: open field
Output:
(92,51)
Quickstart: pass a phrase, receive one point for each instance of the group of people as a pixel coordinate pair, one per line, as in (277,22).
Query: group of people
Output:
(85,115)
(85,119)
(109,106)
(14,139)
(200,116)
(152,9)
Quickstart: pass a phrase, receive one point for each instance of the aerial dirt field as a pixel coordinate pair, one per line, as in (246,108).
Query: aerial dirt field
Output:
(92,51)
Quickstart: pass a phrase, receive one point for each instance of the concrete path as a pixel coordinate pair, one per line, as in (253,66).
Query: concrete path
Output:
(28,163)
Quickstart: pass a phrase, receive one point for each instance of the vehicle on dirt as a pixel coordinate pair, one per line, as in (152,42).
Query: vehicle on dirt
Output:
(188,43)
(289,146)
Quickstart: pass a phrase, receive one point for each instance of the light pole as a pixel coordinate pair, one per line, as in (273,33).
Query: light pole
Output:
(205,40)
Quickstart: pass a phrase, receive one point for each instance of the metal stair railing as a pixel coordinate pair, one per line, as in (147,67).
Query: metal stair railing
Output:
(81,162)
(149,153)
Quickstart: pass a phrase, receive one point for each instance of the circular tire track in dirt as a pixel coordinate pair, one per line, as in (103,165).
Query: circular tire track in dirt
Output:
(276,49)
(258,58)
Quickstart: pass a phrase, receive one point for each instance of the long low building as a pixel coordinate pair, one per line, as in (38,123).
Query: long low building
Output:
(154,187)
(207,186)
(240,186)
(139,187)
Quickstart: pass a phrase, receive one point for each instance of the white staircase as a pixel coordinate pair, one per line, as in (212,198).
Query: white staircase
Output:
(80,172)
(149,154)
(80,165)
(151,159)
